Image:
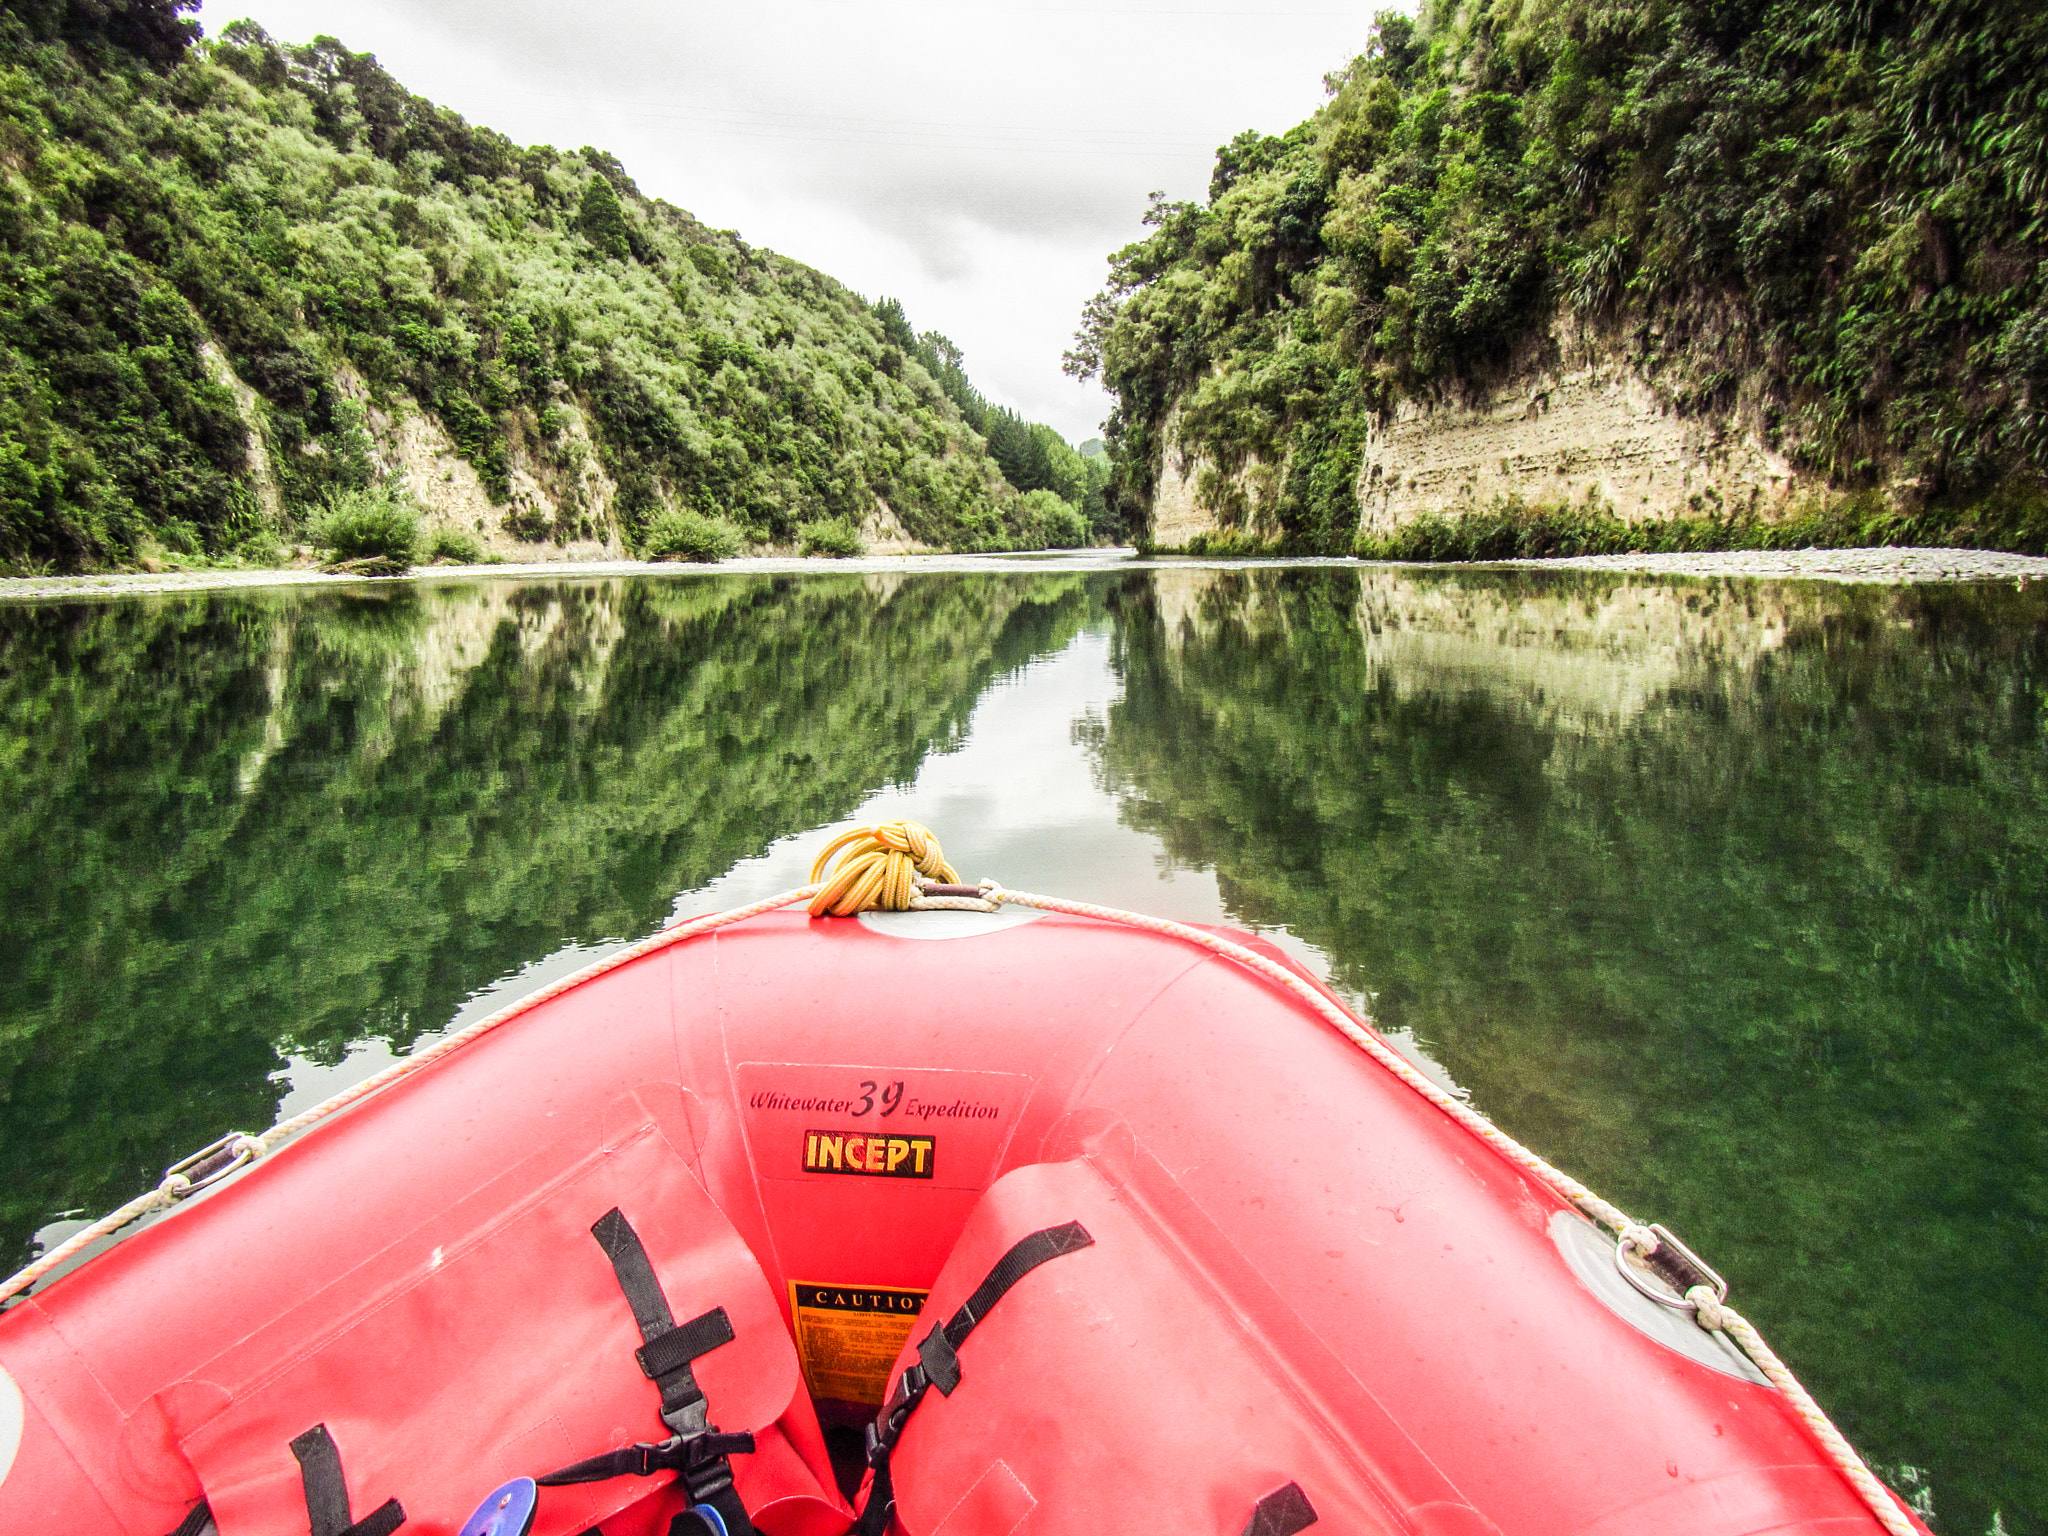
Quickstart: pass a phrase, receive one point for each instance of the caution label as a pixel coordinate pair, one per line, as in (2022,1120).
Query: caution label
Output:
(848,1336)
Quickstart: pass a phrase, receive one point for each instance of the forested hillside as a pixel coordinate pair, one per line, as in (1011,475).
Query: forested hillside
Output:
(1823,223)
(240,277)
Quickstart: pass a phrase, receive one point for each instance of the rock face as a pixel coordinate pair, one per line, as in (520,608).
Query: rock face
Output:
(1571,430)
(567,491)
(248,405)
(1566,435)
(1180,509)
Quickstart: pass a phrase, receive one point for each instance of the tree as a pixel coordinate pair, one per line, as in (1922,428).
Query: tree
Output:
(603,221)
(896,324)
(154,30)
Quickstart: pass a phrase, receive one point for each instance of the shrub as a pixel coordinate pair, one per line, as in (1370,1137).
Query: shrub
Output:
(685,535)
(603,221)
(371,523)
(1230,544)
(836,537)
(1050,522)
(457,547)
(2012,518)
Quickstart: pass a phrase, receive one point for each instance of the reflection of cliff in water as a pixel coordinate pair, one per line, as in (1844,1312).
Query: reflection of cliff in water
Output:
(243,827)
(1731,904)
(1588,647)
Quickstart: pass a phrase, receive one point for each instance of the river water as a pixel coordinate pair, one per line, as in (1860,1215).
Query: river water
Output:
(1727,896)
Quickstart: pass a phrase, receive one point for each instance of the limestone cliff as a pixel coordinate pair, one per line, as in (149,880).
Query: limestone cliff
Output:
(1581,426)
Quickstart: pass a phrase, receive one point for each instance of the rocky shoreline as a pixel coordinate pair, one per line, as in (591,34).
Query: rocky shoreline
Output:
(1887,566)
(1877,566)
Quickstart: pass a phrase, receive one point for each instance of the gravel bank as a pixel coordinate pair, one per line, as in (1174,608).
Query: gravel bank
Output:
(131,583)
(1854,565)
(1890,566)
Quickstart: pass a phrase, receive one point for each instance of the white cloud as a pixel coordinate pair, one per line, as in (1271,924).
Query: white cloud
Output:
(977,161)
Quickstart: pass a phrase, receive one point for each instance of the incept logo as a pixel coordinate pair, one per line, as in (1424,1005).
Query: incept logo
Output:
(877,1156)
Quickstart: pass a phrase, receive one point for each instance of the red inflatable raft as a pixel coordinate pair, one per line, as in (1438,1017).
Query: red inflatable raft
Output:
(1084,1227)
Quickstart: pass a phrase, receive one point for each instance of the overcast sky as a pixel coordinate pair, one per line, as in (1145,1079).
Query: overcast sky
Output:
(978,161)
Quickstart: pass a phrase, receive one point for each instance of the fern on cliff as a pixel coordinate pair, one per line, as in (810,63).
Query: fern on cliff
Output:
(1828,216)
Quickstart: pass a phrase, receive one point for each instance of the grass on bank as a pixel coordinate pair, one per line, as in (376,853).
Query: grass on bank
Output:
(2013,519)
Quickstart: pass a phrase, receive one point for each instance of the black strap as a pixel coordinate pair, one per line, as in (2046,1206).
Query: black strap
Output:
(667,1352)
(695,1449)
(327,1509)
(621,1244)
(938,1352)
(1281,1513)
(1023,1258)
(732,1514)
(677,1455)
(198,1521)
(938,1359)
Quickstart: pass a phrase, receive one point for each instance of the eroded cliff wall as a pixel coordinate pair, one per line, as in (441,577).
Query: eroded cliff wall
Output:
(1583,428)
(1590,432)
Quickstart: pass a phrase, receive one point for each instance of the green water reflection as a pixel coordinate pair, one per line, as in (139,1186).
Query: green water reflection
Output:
(242,828)
(1729,899)
(1727,896)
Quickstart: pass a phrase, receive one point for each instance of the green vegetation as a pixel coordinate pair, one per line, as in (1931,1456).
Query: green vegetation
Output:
(1032,457)
(1724,896)
(686,535)
(2015,517)
(1825,220)
(451,546)
(834,537)
(1058,524)
(370,523)
(183,223)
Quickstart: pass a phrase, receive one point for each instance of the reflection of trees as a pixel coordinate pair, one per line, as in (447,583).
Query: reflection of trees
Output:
(244,826)
(1759,954)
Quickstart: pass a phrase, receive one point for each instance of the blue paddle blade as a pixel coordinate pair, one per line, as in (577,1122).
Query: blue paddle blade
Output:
(507,1512)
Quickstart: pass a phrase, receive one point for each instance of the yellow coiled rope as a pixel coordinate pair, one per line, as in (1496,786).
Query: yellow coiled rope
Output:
(878,867)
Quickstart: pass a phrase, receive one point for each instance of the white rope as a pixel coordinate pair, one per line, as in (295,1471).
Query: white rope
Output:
(1708,1309)
(248,1148)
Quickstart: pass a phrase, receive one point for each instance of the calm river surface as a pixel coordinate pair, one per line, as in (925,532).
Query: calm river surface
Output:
(1728,896)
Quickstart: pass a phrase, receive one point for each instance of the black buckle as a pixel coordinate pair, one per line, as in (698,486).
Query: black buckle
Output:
(911,1387)
(691,1455)
(691,1420)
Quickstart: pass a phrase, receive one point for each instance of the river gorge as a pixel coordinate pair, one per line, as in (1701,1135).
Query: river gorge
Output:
(1722,894)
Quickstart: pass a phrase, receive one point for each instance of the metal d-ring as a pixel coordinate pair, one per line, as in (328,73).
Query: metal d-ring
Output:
(1677,1266)
(211,1164)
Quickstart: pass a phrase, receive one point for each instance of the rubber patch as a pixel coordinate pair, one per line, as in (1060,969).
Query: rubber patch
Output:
(849,1336)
